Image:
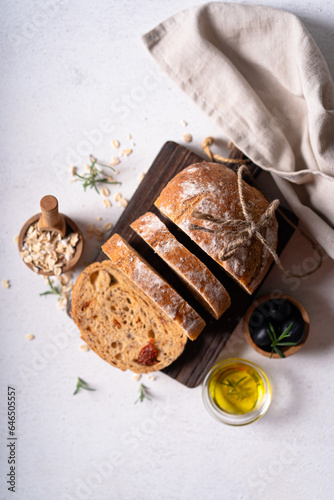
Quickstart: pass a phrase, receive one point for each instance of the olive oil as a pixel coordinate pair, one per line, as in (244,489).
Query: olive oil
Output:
(236,388)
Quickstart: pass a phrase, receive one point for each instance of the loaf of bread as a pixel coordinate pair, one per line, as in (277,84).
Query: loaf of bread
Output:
(120,322)
(202,283)
(212,189)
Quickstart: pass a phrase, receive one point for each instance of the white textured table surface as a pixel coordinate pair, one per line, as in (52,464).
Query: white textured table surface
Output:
(75,75)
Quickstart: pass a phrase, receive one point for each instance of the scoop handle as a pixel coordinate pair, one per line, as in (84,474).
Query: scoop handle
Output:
(51,219)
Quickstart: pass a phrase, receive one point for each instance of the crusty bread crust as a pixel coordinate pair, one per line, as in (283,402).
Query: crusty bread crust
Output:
(127,260)
(199,279)
(212,188)
(117,320)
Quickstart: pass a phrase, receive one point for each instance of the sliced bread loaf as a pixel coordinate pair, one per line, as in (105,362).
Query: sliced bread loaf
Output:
(127,260)
(198,278)
(121,324)
(212,189)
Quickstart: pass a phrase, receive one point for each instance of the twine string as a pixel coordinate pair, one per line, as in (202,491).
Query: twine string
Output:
(245,229)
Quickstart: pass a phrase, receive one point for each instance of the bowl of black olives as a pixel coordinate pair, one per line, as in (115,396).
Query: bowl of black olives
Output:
(276,326)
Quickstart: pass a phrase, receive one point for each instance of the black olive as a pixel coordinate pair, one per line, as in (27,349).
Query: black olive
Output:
(297,331)
(277,309)
(261,337)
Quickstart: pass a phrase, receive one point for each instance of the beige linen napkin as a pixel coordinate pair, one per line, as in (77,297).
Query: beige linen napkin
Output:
(259,74)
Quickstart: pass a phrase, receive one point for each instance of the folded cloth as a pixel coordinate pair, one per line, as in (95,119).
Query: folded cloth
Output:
(259,74)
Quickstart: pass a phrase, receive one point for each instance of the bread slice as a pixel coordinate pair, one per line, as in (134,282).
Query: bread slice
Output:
(212,188)
(201,282)
(127,260)
(120,323)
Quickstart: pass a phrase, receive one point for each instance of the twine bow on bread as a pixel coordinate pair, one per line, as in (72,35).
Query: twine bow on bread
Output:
(244,229)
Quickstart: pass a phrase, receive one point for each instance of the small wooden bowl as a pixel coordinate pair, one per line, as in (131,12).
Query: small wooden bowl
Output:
(290,350)
(70,227)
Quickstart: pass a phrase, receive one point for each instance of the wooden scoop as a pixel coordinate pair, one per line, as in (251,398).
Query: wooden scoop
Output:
(51,220)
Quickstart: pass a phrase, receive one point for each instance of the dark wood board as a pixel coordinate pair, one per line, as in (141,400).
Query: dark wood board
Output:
(199,355)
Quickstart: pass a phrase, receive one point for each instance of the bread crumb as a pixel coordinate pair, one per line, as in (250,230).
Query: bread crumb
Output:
(84,347)
(30,336)
(136,376)
(184,123)
(107,203)
(6,283)
(151,378)
(107,226)
(126,152)
(73,170)
(115,143)
(187,137)
(129,136)
(105,192)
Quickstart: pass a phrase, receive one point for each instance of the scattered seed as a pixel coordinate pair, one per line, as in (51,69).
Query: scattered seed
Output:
(74,179)
(123,202)
(84,347)
(115,143)
(184,123)
(116,172)
(187,138)
(126,152)
(98,218)
(16,240)
(6,283)
(115,161)
(74,170)
(30,336)
(118,197)
(107,203)
(107,226)
(136,377)
(141,176)
(151,377)
(105,192)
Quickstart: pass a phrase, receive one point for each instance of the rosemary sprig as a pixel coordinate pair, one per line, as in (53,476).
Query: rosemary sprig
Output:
(95,176)
(53,290)
(144,393)
(81,384)
(235,390)
(277,342)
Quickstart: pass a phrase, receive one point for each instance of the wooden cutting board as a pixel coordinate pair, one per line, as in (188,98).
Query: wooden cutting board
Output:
(191,367)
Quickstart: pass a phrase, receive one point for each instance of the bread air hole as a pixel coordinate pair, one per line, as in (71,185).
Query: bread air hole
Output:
(93,277)
(125,308)
(151,334)
(129,301)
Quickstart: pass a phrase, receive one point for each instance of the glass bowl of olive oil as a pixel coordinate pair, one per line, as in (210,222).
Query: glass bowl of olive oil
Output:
(236,392)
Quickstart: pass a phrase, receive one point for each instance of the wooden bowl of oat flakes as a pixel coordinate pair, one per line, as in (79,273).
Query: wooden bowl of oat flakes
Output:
(50,243)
